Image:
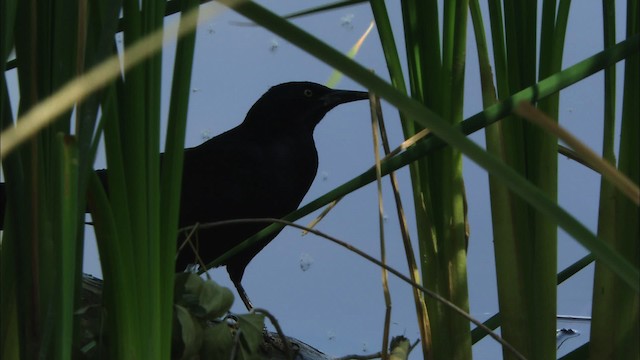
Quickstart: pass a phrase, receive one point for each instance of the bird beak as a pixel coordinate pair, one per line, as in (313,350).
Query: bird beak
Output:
(337,97)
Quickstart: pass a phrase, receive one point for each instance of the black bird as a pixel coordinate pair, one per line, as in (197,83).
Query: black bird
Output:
(261,168)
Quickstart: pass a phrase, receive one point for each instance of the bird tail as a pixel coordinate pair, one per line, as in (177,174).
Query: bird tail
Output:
(102,174)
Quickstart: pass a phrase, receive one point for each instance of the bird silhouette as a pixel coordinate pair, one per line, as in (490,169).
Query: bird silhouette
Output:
(262,168)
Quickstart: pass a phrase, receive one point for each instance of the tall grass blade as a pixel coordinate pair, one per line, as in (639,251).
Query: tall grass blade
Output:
(616,322)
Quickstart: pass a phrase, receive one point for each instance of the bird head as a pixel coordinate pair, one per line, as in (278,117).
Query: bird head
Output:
(297,106)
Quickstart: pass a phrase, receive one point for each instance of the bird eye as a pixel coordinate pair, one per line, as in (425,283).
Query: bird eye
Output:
(308,93)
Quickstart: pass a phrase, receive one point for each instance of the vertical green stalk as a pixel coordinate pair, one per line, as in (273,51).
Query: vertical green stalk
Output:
(152,20)
(25,222)
(525,240)
(512,298)
(128,226)
(602,300)
(397,79)
(422,46)
(136,225)
(616,326)
(171,176)
(65,226)
(42,189)
(133,128)
(501,215)
(542,170)
(448,188)
(9,331)
(437,79)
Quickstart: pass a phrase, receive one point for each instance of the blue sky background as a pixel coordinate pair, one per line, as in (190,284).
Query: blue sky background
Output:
(337,305)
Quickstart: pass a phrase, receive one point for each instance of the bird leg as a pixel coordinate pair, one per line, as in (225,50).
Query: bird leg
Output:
(243,295)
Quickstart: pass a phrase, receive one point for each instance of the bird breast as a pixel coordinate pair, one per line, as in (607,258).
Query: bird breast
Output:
(294,170)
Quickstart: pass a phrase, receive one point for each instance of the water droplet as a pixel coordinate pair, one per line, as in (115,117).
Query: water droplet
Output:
(305,261)
(346,21)
(274,45)
(205,134)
